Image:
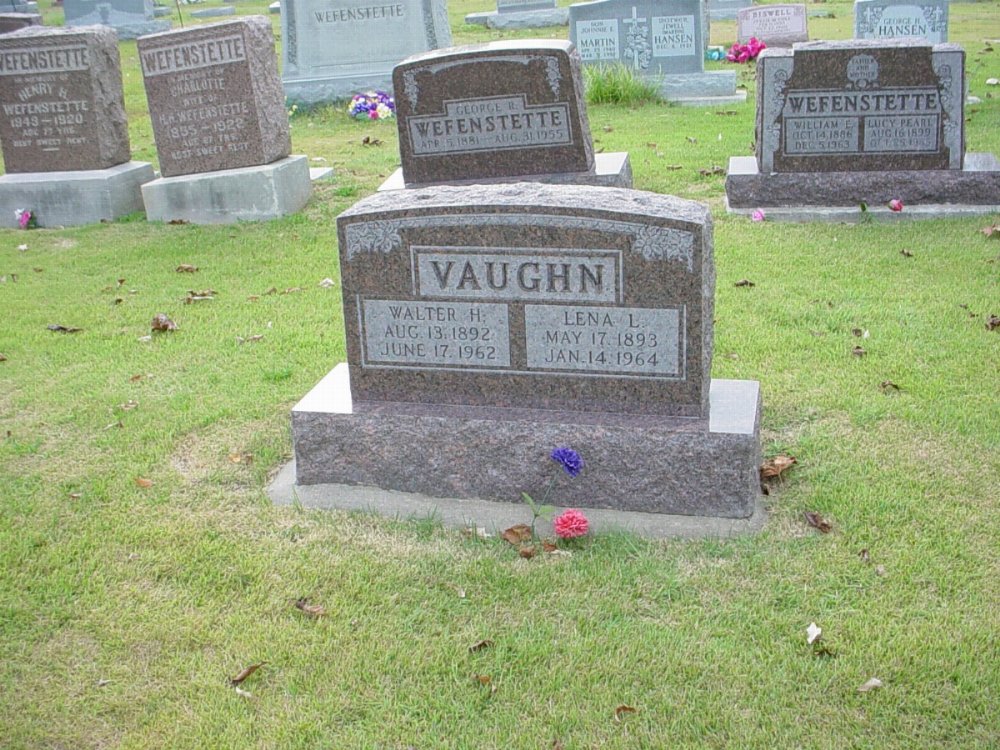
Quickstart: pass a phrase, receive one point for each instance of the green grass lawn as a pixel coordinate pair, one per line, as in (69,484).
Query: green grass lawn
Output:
(124,608)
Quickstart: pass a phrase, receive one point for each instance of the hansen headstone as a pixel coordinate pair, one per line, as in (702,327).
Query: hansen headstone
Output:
(888,19)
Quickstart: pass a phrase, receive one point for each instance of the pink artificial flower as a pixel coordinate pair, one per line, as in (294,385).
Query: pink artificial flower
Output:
(896,205)
(570,524)
(758,215)
(23,218)
(373,114)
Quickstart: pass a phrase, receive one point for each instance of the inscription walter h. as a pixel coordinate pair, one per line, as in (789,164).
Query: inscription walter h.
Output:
(486,124)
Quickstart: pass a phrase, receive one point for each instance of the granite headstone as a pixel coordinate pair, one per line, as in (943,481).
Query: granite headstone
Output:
(775,25)
(63,106)
(521,14)
(13,21)
(215,97)
(332,50)
(888,19)
(129,18)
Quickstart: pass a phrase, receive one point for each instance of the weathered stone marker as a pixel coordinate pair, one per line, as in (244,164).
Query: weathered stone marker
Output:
(487,324)
(521,14)
(215,97)
(841,123)
(503,110)
(13,21)
(890,19)
(775,25)
(129,18)
(62,127)
(332,50)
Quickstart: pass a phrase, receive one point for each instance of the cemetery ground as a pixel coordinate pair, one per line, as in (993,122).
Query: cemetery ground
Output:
(142,565)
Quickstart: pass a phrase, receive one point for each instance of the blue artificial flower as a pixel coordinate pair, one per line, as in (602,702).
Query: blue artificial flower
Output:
(569,459)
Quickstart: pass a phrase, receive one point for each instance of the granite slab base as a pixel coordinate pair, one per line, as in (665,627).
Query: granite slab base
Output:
(610,170)
(247,194)
(528,19)
(973,190)
(710,88)
(636,463)
(71,199)
(309,92)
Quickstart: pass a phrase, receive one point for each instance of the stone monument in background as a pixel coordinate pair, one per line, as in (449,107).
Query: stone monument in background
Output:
(840,124)
(893,19)
(500,111)
(775,25)
(220,124)
(129,18)
(660,40)
(13,21)
(63,130)
(521,14)
(333,50)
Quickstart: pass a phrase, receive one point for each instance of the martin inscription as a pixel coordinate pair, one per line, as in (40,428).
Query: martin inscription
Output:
(597,40)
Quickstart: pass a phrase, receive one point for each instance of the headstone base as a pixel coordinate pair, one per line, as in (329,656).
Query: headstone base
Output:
(676,465)
(70,199)
(227,196)
(610,170)
(528,19)
(136,30)
(312,91)
(713,87)
(836,196)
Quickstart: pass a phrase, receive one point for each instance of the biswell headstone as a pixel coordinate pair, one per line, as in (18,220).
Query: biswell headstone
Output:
(521,14)
(220,124)
(487,324)
(129,18)
(13,21)
(498,111)
(63,130)
(661,40)
(333,50)
(851,122)
(888,19)
(775,25)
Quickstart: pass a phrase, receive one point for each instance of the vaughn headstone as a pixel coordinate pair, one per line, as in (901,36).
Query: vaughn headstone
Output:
(215,98)
(62,128)
(840,123)
(502,110)
(129,18)
(335,49)
(13,21)
(775,25)
(888,19)
(662,40)
(487,324)
(521,14)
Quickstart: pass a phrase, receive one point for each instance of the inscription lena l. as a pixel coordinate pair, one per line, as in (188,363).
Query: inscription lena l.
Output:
(625,340)
(568,276)
(464,334)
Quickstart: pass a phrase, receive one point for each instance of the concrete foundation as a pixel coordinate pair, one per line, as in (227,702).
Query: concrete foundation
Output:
(246,194)
(70,199)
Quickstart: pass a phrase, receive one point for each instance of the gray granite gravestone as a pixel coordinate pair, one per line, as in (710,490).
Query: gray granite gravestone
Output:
(62,127)
(888,19)
(844,123)
(333,50)
(129,18)
(521,14)
(725,10)
(220,124)
(498,111)
(487,324)
(13,21)
(775,25)
(662,40)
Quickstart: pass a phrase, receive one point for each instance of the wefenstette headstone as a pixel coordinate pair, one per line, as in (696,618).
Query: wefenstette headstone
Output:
(13,21)
(850,122)
(215,98)
(129,18)
(888,19)
(487,324)
(775,25)
(63,107)
(661,40)
(332,50)
(497,111)
(63,130)
(521,14)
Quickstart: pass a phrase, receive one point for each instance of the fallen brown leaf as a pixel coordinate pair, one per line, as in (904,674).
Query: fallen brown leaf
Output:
(3,357)
(817,521)
(313,610)
(272,290)
(63,329)
(111,426)
(369,141)
(246,672)
(622,710)
(483,644)
(888,385)
(549,546)
(607,128)
(870,685)
(483,679)
(177,221)
(250,339)
(75,495)
(161,322)
(774,467)
(727,112)
(143,482)
(527,552)
(292,290)
(865,557)
(993,230)
(186,268)
(241,458)
(517,534)
(674,167)
(744,282)
(858,351)
(711,171)
(651,145)
(129,405)
(993,323)
(906,253)
(690,139)
(117,301)
(861,333)
(242,693)
(121,281)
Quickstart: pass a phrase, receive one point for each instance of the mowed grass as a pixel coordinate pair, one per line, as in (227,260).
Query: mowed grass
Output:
(124,608)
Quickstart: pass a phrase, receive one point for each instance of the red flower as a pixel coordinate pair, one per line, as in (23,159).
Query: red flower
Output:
(896,205)
(570,524)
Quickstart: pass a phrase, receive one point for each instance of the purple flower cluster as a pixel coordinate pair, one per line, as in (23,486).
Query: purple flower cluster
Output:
(569,459)
(740,53)
(372,105)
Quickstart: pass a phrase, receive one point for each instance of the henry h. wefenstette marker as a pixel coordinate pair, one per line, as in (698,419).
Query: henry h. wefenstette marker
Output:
(486,324)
